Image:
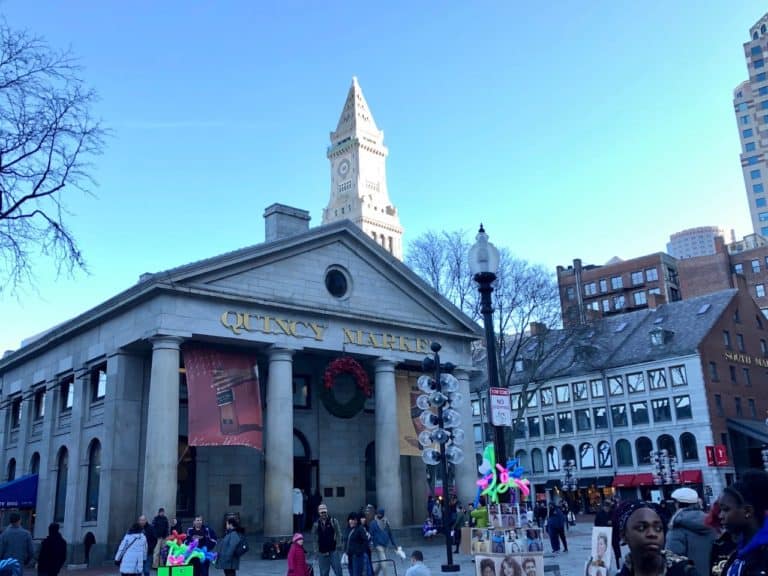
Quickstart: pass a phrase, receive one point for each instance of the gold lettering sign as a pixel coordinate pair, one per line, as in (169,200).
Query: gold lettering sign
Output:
(240,322)
(746,359)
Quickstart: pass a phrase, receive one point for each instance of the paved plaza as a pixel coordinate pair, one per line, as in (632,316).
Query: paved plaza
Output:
(570,564)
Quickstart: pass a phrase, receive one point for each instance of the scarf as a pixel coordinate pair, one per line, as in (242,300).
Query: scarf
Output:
(744,548)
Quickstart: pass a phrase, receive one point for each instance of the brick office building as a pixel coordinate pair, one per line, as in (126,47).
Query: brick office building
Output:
(619,286)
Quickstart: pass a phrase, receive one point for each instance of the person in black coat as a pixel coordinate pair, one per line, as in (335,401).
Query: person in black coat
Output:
(744,515)
(53,552)
(556,528)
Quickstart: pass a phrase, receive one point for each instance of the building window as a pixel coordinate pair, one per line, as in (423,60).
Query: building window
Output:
(534,426)
(11,472)
(666,442)
(740,342)
(738,268)
(639,412)
(635,382)
(590,289)
(756,51)
(760,77)
(94,475)
(637,278)
(603,285)
(616,282)
(732,371)
(713,372)
(643,447)
(67,393)
(563,394)
(683,407)
(533,400)
(747,133)
(690,451)
(745,119)
(586,455)
(570,293)
(747,379)
(661,410)
(597,389)
(619,416)
(583,420)
(752,408)
(615,385)
(758,188)
(754,174)
(760,203)
(478,433)
(98,382)
(553,459)
(677,374)
(606,304)
(59,505)
(475,407)
(600,418)
(651,274)
(34,463)
(301,395)
(657,379)
(737,405)
(579,391)
(640,298)
(763,91)
(719,404)
(565,422)
(618,302)
(16,413)
(727,339)
(741,107)
(39,403)
(546,396)
(549,424)
(537,460)
(763,347)
(756,263)
(752,160)
(624,453)
(760,290)
(749,147)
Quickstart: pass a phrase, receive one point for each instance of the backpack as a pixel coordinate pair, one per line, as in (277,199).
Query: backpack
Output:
(242,547)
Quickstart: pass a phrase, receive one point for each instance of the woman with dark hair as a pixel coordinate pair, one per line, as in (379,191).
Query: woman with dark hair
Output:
(356,548)
(487,567)
(643,530)
(743,509)
(132,551)
(510,567)
(53,552)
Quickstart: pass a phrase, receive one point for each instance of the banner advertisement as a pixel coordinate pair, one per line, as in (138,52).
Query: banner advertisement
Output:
(224,398)
(408,422)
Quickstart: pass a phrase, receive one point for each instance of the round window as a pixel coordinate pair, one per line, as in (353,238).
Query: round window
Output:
(336,283)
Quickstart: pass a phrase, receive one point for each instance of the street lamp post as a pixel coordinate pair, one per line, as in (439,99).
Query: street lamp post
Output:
(441,392)
(483,264)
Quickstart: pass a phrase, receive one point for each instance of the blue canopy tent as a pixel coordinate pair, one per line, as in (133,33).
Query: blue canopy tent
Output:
(19,493)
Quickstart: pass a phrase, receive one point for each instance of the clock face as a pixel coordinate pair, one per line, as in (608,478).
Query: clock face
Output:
(344,167)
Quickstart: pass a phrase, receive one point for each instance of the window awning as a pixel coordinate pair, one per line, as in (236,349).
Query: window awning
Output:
(603,481)
(19,493)
(691,477)
(623,480)
(552,484)
(644,479)
(587,482)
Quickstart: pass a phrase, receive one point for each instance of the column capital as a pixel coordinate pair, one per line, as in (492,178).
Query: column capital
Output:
(166,342)
(382,364)
(281,354)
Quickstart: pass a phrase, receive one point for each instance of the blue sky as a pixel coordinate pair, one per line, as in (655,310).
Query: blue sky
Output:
(572,130)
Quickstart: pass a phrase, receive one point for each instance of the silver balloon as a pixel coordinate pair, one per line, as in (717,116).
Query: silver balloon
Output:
(425,438)
(457,436)
(454,455)
(440,436)
(437,398)
(449,383)
(456,399)
(428,419)
(425,383)
(451,418)
(422,402)
(430,456)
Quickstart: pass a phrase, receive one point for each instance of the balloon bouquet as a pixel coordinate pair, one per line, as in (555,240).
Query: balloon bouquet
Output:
(497,479)
(181,554)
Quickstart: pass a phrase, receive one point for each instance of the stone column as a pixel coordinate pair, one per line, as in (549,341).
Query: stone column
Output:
(46,481)
(466,473)
(73,510)
(278,454)
(388,489)
(162,434)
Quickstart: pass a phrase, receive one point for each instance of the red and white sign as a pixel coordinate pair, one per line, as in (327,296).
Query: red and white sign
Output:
(710,455)
(721,455)
(501,407)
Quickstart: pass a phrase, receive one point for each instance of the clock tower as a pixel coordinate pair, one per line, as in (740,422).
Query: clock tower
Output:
(359,177)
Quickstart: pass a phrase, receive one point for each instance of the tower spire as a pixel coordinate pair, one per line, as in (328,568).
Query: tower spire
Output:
(358,174)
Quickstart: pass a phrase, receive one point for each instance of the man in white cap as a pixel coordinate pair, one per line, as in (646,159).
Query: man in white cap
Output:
(328,541)
(688,535)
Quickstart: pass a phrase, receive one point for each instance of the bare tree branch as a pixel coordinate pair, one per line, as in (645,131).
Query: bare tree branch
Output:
(47,141)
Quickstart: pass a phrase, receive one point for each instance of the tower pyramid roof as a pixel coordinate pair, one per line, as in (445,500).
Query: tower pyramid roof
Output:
(356,116)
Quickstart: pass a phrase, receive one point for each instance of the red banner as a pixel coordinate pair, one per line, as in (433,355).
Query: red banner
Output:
(721,455)
(224,398)
(710,455)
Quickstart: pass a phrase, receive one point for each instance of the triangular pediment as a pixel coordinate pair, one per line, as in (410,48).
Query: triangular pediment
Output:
(292,273)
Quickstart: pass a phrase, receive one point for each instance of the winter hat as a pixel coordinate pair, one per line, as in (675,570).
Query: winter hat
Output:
(322,508)
(381,512)
(685,496)
(297,537)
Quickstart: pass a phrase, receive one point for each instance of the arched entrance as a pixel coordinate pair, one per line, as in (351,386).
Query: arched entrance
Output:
(306,473)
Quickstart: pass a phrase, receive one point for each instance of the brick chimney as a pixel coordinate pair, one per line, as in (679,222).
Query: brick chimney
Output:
(281,221)
(656,300)
(537,328)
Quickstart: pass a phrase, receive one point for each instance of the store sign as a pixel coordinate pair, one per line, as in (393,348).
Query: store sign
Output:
(717,455)
(710,450)
(501,407)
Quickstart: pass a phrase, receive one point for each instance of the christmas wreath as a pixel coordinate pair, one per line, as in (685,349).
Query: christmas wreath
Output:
(345,365)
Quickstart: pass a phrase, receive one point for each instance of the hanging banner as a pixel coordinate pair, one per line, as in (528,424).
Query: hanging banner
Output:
(224,398)
(408,422)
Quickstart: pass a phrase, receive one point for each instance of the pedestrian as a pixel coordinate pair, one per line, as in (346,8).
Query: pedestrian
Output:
(381,539)
(53,552)
(228,548)
(149,534)
(642,527)
(297,505)
(328,541)
(418,568)
(162,530)
(480,515)
(743,508)
(356,549)
(297,559)
(204,537)
(556,528)
(132,552)
(688,535)
(724,544)
(458,524)
(176,526)
(16,542)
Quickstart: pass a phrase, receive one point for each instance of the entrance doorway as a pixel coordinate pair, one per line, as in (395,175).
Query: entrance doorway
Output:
(306,476)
